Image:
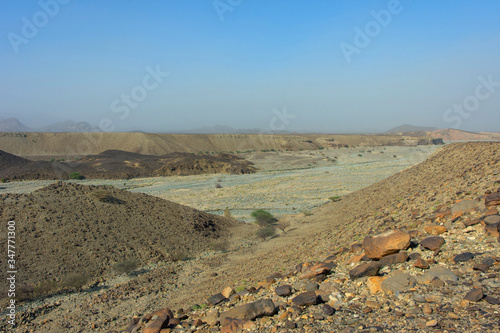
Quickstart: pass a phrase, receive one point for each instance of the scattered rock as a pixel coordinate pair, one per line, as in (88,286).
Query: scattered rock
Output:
(365,269)
(432,243)
(284,290)
(307,298)
(492,219)
(389,242)
(474,295)
(463,206)
(435,229)
(393,259)
(398,282)
(492,199)
(462,257)
(250,311)
(440,272)
(216,299)
(421,263)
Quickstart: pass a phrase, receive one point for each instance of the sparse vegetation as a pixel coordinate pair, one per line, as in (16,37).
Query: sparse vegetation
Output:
(217,185)
(126,266)
(3,180)
(227,213)
(307,212)
(335,198)
(266,232)
(75,281)
(263,217)
(283,225)
(75,175)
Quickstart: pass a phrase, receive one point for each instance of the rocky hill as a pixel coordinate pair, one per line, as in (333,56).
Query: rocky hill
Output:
(417,251)
(117,164)
(451,134)
(69,232)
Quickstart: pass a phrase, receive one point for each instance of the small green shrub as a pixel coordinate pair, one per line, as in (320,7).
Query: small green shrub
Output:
(266,232)
(3,180)
(336,198)
(126,266)
(227,213)
(263,217)
(307,212)
(75,175)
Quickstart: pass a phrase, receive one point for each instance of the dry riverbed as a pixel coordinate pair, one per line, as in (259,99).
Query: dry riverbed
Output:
(287,183)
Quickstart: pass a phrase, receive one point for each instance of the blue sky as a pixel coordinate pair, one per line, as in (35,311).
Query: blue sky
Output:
(239,63)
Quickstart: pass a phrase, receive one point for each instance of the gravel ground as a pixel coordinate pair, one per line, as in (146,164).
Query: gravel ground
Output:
(300,180)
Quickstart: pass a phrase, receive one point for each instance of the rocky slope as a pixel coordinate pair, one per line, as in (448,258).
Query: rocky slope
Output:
(117,164)
(430,263)
(69,231)
(435,267)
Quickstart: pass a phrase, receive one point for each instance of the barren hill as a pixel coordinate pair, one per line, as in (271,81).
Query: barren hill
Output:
(81,144)
(117,164)
(68,229)
(451,134)
(446,194)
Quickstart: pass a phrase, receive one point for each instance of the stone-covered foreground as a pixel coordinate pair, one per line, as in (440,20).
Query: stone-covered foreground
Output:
(441,274)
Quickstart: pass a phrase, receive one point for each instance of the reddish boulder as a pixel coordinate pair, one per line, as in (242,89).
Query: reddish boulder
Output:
(386,243)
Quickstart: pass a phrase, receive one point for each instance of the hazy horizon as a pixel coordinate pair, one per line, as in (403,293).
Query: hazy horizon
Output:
(334,67)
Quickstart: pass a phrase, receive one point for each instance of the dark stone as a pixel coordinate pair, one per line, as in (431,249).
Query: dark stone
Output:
(328,310)
(432,243)
(472,222)
(474,295)
(284,290)
(393,259)
(492,199)
(492,300)
(216,299)
(290,325)
(250,311)
(365,269)
(492,219)
(481,267)
(307,298)
(414,256)
(311,286)
(466,256)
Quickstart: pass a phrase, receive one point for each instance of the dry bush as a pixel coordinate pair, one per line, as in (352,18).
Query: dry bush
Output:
(266,232)
(283,225)
(219,245)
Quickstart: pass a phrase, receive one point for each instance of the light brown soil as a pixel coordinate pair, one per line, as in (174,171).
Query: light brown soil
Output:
(444,177)
(64,145)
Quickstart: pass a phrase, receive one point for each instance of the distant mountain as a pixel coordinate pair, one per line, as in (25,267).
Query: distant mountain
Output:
(411,128)
(14,125)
